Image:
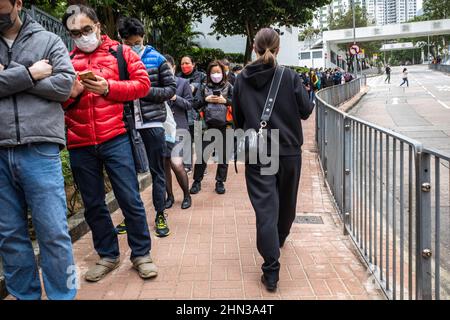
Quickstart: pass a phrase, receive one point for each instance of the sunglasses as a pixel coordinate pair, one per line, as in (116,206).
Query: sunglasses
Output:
(85,31)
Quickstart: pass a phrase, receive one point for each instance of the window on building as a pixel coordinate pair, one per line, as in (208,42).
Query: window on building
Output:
(305,55)
(317,54)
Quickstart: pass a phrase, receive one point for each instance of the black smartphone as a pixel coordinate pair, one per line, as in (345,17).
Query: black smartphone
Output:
(217,93)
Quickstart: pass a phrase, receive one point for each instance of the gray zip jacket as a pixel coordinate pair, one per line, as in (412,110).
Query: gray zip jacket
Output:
(31,112)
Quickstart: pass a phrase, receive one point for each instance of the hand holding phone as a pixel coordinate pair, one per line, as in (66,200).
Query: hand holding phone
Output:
(87,75)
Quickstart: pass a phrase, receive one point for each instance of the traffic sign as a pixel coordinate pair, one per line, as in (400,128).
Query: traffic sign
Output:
(354,49)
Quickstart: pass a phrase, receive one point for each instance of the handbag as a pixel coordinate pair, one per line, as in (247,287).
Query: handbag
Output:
(216,115)
(249,144)
(137,144)
(170,126)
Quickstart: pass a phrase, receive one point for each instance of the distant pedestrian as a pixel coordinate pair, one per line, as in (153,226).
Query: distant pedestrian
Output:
(388,74)
(405,78)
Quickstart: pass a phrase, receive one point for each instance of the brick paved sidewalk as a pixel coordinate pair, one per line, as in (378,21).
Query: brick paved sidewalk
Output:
(211,252)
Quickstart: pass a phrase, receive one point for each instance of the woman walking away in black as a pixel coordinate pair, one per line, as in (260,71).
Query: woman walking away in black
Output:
(213,98)
(180,104)
(273,197)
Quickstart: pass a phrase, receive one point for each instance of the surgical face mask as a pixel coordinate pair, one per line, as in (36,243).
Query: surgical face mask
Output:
(137,48)
(87,43)
(216,77)
(6,22)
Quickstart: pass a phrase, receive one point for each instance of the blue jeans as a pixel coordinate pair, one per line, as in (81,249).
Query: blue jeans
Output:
(31,177)
(87,166)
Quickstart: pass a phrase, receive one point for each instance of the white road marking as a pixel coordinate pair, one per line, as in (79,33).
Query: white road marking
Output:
(394,100)
(443,104)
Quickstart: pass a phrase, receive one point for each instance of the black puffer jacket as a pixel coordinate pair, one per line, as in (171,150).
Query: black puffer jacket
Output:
(196,79)
(163,86)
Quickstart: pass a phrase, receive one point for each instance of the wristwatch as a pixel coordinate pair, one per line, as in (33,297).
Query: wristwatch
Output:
(106,92)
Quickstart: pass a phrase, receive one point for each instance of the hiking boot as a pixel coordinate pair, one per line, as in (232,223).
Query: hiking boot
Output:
(271,286)
(187,202)
(196,187)
(101,269)
(121,228)
(162,229)
(220,188)
(169,202)
(145,267)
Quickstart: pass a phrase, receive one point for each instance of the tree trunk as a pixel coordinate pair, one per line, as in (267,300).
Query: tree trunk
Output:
(248,50)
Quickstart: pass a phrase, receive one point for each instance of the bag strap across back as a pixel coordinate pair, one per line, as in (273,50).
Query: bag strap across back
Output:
(272,96)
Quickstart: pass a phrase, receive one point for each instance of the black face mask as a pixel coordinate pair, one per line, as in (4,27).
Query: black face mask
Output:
(6,22)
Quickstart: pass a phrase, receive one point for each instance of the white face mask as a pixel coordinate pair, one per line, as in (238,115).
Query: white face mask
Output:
(216,77)
(87,43)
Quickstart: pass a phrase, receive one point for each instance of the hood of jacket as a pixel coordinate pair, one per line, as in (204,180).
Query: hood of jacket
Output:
(258,74)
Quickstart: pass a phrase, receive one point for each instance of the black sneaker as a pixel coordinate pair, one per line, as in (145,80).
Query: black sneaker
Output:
(169,202)
(220,188)
(196,187)
(161,227)
(271,286)
(121,228)
(187,202)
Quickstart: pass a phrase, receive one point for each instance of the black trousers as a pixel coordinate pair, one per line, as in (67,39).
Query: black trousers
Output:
(222,167)
(155,145)
(274,199)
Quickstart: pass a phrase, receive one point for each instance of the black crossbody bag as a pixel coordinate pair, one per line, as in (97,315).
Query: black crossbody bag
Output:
(249,144)
(137,144)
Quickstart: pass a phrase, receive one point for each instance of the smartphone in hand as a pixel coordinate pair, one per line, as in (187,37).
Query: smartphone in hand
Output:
(87,75)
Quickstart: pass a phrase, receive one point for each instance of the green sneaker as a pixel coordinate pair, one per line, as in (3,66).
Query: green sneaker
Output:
(121,228)
(162,229)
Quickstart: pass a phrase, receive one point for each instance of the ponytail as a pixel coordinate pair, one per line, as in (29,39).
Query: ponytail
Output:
(269,58)
(267,42)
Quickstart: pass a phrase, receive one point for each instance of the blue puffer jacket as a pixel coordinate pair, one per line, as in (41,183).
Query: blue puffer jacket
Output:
(163,86)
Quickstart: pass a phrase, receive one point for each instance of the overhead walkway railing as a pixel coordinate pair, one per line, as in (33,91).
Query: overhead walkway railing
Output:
(392,195)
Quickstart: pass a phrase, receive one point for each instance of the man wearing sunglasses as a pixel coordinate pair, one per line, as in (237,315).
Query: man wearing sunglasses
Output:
(36,75)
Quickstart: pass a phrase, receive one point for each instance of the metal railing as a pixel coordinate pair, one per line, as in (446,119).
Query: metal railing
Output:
(51,24)
(440,67)
(386,187)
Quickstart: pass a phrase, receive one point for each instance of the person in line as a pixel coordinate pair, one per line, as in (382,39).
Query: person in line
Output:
(154,113)
(273,197)
(34,80)
(388,74)
(405,77)
(196,78)
(97,138)
(213,98)
(237,69)
(180,104)
(230,75)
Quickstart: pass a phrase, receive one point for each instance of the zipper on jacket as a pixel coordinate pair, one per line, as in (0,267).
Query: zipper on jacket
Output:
(16,109)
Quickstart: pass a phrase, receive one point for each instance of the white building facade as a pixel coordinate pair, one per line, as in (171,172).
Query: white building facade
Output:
(379,12)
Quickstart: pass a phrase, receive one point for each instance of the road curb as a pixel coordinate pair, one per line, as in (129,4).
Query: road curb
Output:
(353,102)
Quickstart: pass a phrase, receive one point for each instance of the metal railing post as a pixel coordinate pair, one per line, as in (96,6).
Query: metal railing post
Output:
(347,173)
(423,227)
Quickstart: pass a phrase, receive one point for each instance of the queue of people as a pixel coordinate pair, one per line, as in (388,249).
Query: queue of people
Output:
(79,100)
(317,79)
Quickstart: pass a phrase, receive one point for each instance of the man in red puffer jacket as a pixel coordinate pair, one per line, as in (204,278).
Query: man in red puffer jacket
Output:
(97,139)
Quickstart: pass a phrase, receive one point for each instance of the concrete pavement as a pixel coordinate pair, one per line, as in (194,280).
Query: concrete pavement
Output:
(211,253)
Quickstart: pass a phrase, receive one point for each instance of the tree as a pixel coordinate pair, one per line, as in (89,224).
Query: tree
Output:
(436,9)
(236,17)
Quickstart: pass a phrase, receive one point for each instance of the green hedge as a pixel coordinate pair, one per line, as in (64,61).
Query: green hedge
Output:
(203,56)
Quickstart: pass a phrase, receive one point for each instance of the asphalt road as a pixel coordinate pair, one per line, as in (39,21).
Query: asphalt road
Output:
(422,112)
